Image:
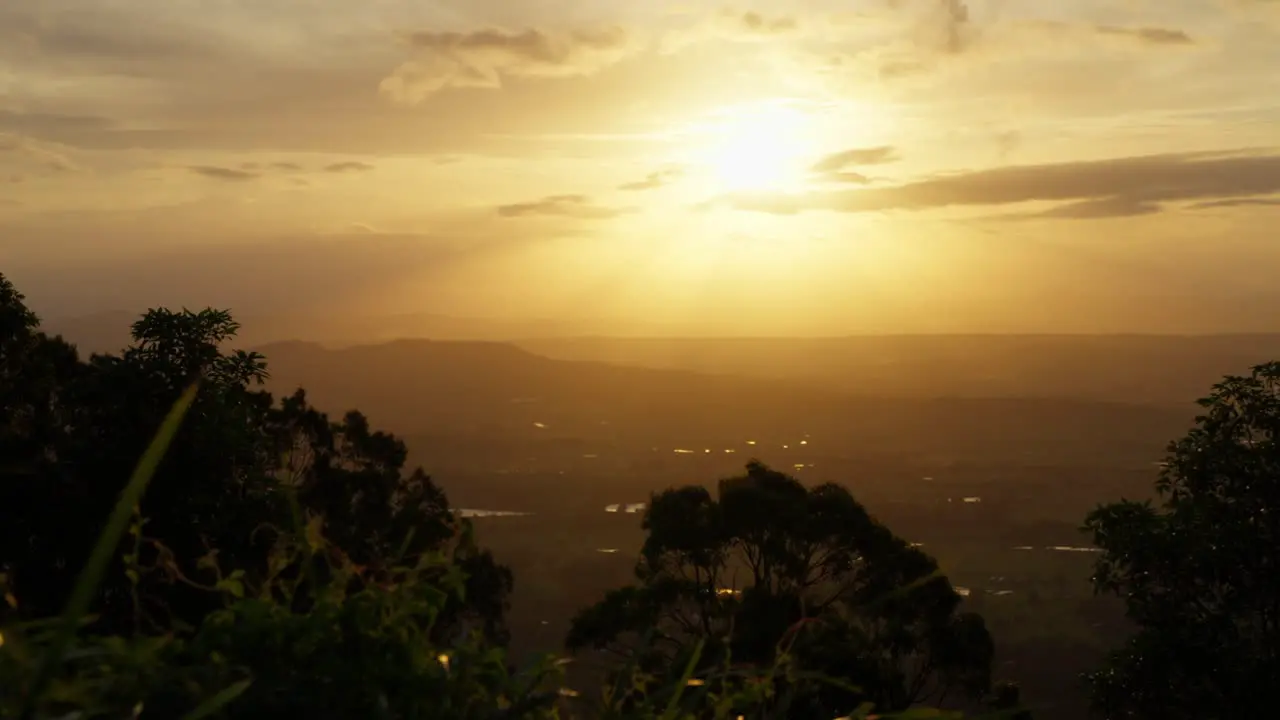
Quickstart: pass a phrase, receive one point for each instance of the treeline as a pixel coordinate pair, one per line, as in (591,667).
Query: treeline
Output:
(176,542)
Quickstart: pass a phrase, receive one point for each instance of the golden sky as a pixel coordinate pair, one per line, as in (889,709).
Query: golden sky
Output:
(819,166)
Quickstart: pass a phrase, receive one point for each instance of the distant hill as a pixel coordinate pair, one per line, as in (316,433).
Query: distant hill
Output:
(1126,368)
(109,331)
(505,394)
(1150,369)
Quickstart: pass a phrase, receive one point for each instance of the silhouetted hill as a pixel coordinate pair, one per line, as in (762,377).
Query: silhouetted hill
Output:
(109,331)
(1127,368)
(499,394)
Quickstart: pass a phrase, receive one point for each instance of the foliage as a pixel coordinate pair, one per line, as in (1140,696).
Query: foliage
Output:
(1200,572)
(319,637)
(240,468)
(823,584)
(316,634)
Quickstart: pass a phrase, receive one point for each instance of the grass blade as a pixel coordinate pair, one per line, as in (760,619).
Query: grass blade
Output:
(216,703)
(91,576)
(673,703)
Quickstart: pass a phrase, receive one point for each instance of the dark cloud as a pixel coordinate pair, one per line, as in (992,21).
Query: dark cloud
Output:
(572,206)
(224,173)
(31,123)
(1237,202)
(1102,188)
(1112,207)
(756,23)
(894,69)
(955,23)
(280,167)
(348,166)
(654,180)
(1007,143)
(837,165)
(80,37)
(531,46)
(1149,35)
(846,176)
(482,58)
(250,171)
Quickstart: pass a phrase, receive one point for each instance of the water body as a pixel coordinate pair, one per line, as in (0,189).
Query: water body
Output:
(477,513)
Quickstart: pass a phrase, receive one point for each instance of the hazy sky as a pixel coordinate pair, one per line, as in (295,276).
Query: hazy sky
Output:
(802,166)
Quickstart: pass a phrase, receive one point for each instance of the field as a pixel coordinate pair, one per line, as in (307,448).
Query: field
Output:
(1014,547)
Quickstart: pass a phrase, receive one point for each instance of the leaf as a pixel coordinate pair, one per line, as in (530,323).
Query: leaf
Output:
(669,713)
(315,533)
(233,586)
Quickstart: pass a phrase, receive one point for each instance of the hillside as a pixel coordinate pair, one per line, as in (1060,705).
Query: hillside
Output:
(1128,368)
(109,331)
(507,394)
(1148,369)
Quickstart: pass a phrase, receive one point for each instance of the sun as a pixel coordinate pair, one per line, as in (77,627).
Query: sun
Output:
(758,147)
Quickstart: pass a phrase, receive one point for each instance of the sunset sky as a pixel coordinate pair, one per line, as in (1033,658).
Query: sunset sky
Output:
(811,166)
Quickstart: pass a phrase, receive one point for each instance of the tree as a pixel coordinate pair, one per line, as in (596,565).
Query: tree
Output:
(769,565)
(354,477)
(33,369)
(35,373)
(240,470)
(1200,571)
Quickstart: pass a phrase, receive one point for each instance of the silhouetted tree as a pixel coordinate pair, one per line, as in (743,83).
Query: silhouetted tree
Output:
(240,466)
(1200,571)
(354,477)
(770,565)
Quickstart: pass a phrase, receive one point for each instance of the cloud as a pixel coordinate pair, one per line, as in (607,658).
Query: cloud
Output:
(1149,35)
(1007,143)
(68,36)
(484,58)
(573,206)
(254,170)
(224,173)
(730,25)
(952,21)
(348,166)
(1112,207)
(945,37)
(654,180)
(1237,202)
(29,122)
(893,69)
(1088,189)
(35,155)
(754,23)
(837,165)
(281,166)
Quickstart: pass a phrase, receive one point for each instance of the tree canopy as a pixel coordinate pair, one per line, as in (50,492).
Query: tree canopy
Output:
(769,565)
(241,469)
(1199,571)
